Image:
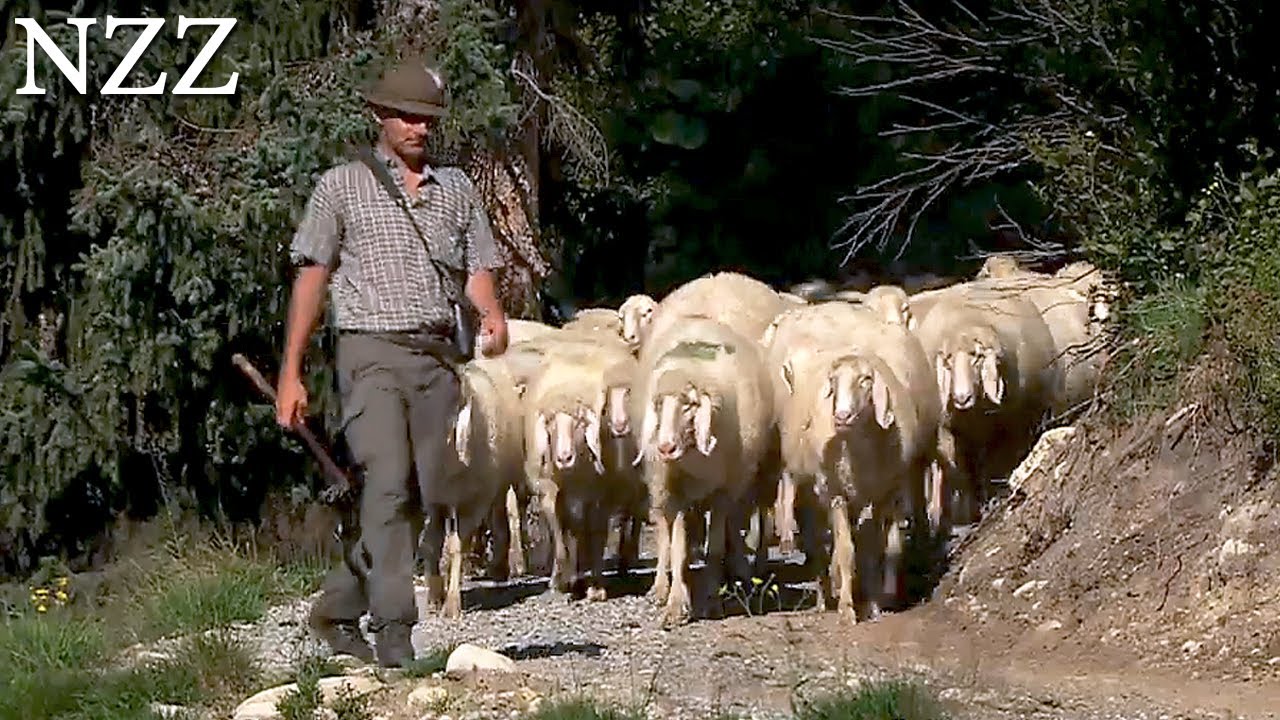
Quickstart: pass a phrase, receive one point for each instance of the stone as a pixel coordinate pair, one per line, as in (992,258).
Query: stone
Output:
(469,658)
(262,706)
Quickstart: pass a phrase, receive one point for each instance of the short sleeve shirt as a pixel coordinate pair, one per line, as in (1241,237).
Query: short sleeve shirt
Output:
(382,278)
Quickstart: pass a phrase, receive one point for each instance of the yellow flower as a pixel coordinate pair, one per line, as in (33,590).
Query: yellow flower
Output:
(63,581)
(41,608)
(61,595)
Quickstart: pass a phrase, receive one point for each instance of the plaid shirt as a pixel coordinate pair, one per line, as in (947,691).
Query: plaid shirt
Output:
(382,278)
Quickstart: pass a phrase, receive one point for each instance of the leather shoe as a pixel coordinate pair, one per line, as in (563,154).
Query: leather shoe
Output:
(344,637)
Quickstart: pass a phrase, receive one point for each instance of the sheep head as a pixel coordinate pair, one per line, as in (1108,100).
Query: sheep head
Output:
(676,420)
(891,302)
(613,403)
(558,435)
(970,359)
(999,266)
(853,384)
(636,313)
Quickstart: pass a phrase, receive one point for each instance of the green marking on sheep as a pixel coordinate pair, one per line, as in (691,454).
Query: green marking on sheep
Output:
(701,350)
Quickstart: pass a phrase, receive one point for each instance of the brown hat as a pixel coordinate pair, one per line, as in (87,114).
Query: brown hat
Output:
(410,86)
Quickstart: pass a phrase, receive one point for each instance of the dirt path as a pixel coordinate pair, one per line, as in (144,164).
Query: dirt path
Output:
(754,666)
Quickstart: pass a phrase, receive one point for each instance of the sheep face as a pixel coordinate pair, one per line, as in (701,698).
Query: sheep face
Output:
(968,362)
(677,420)
(854,385)
(615,409)
(558,436)
(636,314)
(892,304)
(999,266)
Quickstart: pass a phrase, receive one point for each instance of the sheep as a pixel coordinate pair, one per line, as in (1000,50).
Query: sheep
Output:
(635,314)
(708,436)
(793,298)
(565,407)
(517,330)
(485,461)
(1066,312)
(849,328)
(743,303)
(994,359)
(858,428)
(1002,266)
(603,320)
(1085,277)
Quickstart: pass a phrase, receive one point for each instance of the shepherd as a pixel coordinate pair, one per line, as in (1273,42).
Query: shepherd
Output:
(395,266)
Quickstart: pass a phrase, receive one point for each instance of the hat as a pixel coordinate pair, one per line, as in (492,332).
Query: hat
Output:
(411,86)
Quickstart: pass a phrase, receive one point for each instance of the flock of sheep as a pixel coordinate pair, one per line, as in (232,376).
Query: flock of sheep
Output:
(847,419)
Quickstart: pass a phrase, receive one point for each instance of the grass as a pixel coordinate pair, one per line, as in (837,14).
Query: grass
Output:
(884,700)
(895,699)
(60,652)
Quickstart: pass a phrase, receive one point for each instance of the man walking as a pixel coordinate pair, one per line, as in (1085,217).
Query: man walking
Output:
(392,312)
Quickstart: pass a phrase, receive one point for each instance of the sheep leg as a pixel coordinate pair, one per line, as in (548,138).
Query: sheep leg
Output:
(842,558)
(499,565)
(516,556)
(678,604)
(452,609)
(662,575)
(432,546)
(869,557)
(561,570)
(596,537)
(630,525)
(713,569)
(889,527)
(785,510)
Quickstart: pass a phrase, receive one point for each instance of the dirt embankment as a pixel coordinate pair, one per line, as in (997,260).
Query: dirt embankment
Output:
(1152,548)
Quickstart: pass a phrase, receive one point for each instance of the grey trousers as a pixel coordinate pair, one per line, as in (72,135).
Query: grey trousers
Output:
(397,402)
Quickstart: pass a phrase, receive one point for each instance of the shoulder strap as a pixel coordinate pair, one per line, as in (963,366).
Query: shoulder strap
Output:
(384,177)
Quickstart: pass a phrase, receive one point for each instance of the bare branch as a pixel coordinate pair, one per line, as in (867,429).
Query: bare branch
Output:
(925,55)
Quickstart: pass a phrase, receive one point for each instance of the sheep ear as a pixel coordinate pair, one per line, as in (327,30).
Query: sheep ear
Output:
(766,339)
(992,383)
(520,388)
(647,430)
(593,439)
(944,378)
(462,433)
(880,400)
(827,388)
(788,378)
(541,438)
(702,426)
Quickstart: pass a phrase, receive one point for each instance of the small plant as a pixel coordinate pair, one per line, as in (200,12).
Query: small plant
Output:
(882,700)
(305,699)
(350,704)
(752,599)
(431,662)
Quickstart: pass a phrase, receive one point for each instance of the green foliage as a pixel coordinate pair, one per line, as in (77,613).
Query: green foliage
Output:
(883,700)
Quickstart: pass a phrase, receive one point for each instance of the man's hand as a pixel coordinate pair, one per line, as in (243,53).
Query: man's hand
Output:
(493,334)
(291,400)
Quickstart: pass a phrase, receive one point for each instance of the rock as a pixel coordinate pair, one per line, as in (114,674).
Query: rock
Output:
(429,697)
(1029,587)
(1039,456)
(262,706)
(468,658)
(171,712)
(1049,626)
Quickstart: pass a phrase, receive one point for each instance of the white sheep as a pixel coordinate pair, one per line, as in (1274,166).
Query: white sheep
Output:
(518,330)
(707,436)
(635,314)
(743,303)
(846,338)
(606,321)
(994,359)
(484,463)
(565,407)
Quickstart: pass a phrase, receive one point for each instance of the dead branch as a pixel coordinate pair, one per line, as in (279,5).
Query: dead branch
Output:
(926,55)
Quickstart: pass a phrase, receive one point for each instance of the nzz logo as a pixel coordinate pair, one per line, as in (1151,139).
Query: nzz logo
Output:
(79,75)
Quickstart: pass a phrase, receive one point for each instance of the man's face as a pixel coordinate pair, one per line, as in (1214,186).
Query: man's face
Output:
(407,133)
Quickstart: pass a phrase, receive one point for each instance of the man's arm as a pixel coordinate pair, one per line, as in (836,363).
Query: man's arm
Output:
(314,252)
(482,258)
